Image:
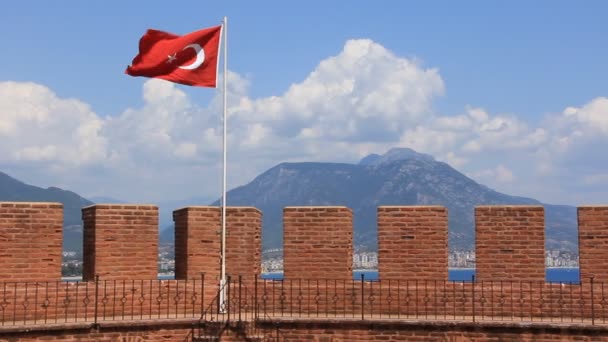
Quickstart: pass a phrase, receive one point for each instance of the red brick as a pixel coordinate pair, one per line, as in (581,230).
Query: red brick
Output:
(413,242)
(510,243)
(317,242)
(593,242)
(120,241)
(31,240)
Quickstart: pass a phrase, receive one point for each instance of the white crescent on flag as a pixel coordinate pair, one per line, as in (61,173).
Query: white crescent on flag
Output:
(200,57)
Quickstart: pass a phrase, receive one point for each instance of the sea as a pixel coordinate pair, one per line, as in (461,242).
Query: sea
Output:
(552,275)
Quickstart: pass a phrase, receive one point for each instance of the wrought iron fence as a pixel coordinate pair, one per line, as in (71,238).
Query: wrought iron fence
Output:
(251,300)
(528,301)
(37,303)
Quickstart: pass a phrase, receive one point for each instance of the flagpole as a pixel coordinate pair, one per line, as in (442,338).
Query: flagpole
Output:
(225,119)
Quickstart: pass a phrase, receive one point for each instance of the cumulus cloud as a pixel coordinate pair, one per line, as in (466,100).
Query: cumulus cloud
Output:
(363,100)
(37,126)
(592,117)
(500,174)
(362,94)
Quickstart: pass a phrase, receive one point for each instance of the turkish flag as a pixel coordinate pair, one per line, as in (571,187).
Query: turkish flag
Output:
(191,59)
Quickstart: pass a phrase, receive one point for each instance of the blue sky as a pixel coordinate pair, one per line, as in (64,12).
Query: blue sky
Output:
(511,93)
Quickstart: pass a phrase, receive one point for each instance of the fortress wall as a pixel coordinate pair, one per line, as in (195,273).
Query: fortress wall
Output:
(197,243)
(413,242)
(30,241)
(317,242)
(593,242)
(243,242)
(120,241)
(510,243)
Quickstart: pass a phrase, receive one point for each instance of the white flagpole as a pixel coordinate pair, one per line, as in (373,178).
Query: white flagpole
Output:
(225,119)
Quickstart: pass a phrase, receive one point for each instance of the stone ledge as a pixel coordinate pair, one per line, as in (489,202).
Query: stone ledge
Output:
(90,326)
(432,325)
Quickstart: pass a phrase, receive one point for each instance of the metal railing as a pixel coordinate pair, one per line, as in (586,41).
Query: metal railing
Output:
(473,301)
(237,315)
(252,300)
(40,303)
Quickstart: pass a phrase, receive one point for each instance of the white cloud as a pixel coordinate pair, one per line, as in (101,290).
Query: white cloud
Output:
(38,126)
(593,116)
(363,100)
(185,150)
(596,179)
(500,174)
(355,95)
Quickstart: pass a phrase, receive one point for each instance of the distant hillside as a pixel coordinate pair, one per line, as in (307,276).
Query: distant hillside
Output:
(399,177)
(12,189)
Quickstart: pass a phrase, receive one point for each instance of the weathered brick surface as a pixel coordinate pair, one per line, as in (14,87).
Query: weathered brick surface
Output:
(317,242)
(510,243)
(120,241)
(413,242)
(243,242)
(593,242)
(30,241)
(197,243)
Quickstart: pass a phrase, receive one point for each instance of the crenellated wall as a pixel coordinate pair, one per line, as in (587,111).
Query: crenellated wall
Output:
(198,242)
(243,242)
(510,243)
(121,240)
(121,246)
(413,242)
(30,241)
(317,242)
(593,242)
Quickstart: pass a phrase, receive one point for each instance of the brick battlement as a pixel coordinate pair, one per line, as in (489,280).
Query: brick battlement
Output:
(317,242)
(121,242)
(30,241)
(121,246)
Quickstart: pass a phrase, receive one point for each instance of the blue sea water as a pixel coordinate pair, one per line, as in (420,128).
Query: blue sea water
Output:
(564,275)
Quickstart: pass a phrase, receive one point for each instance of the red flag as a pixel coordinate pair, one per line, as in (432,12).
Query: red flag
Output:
(191,59)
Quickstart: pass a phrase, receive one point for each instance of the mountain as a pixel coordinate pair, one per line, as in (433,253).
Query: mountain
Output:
(399,177)
(13,190)
(104,199)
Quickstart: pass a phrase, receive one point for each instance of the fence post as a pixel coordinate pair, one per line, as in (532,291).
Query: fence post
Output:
(96,298)
(255,299)
(362,296)
(202,293)
(227,299)
(592,302)
(473,295)
(240,284)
